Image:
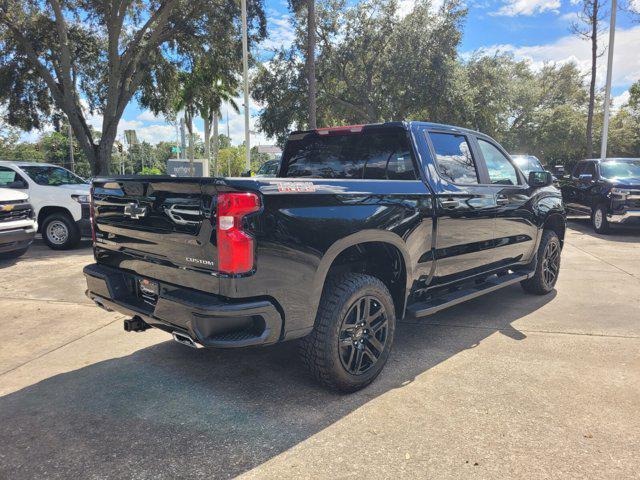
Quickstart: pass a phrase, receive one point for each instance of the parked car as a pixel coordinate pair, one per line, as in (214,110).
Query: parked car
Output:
(608,191)
(17,221)
(362,226)
(268,169)
(530,163)
(59,197)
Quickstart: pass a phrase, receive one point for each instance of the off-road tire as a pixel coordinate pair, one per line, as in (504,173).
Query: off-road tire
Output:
(320,350)
(538,284)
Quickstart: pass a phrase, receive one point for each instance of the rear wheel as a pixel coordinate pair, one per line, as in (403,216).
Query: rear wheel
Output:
(547,265)
(599,219)
(352,337)
(60,232)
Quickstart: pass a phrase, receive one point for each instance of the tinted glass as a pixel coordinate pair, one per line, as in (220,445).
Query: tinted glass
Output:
(579,170)
(8,176)
(590,169)
(52,176)
(454,159)
(528,163)
(626,169)
(368,155)
(269,168)
(501,171)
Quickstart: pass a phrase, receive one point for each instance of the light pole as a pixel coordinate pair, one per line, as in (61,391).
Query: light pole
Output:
(245,74)
(607,94)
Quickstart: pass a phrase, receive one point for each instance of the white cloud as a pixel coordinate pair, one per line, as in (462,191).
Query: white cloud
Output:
(512,8)
(405,7)
(281,32)
(626,61)
(149,116)
(620,100)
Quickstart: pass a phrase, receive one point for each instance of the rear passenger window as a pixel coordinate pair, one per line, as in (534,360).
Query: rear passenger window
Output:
(501,170)
(375,155)
(454,159)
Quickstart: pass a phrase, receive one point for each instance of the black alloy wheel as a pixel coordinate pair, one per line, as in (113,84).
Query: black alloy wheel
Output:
(363,335)
(551,264)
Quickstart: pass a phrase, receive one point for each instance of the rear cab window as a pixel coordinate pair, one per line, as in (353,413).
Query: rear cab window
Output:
(376,154)
(454,159)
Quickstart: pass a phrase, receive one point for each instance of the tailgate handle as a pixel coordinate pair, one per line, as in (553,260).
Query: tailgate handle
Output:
(177,212)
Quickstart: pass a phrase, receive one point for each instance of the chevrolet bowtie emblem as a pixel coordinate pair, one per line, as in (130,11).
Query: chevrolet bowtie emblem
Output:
(134,211)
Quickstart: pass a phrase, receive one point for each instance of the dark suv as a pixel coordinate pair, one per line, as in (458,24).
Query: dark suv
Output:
(607,190)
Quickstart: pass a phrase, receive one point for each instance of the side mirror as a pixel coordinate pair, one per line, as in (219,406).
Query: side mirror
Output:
(585,177)
(540,179)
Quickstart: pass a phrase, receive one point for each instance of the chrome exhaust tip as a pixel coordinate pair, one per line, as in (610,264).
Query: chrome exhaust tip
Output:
(185,340)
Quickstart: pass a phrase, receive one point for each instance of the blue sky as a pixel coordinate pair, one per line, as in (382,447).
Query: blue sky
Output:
(536,30)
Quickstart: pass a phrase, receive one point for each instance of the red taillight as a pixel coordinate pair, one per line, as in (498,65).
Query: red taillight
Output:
(92,215)
(235,247)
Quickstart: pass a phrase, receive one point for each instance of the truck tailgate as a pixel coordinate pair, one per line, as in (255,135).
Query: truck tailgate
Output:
(162,220)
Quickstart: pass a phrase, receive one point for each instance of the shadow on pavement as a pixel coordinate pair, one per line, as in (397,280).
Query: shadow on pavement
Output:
(39,251)
(171,411)
(617,233)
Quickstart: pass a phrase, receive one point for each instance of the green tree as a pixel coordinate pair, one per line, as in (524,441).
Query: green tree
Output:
(94,56)
(364,72)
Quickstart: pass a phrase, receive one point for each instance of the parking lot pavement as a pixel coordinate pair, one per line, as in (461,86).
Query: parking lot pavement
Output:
(506,386)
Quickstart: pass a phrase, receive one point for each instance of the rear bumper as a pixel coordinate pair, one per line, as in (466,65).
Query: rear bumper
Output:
(210,320)
(17,239)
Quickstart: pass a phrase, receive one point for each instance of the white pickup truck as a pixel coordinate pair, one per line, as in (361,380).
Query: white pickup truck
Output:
(17,223)
(59,198)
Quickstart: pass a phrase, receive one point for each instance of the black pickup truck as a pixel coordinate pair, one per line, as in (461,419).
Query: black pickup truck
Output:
(607,190)
(362,226)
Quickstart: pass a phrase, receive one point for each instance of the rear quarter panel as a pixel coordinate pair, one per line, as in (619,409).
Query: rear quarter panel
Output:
(305,224)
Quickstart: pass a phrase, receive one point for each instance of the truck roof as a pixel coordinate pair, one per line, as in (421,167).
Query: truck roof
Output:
(406,125)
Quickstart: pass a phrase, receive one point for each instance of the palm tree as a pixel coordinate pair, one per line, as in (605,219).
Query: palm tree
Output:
(214,90)
(185,101)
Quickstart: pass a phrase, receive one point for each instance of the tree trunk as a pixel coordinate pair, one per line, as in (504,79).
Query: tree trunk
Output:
(311,61)
(216,141)
(207,135)
(592,85)
(207,140)
(189,121)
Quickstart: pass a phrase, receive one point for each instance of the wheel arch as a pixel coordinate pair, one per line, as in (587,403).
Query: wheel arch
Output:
(556,222)
(381,254)
(50,210)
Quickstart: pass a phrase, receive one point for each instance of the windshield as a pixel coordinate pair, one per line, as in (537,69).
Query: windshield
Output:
(528,164)
(52,176)
(621,169)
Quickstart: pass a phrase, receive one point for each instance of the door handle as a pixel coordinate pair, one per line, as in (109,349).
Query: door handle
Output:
(502,200)
(449,203)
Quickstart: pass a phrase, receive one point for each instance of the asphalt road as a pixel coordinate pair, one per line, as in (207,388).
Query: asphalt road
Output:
(506,386)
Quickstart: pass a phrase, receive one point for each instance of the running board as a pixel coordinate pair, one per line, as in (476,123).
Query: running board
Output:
(423,309)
